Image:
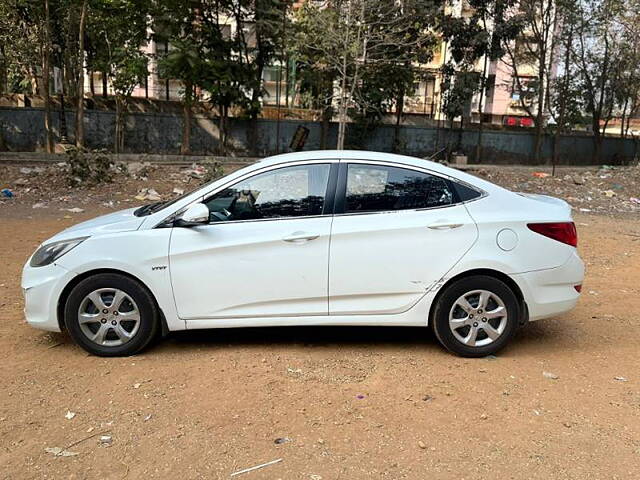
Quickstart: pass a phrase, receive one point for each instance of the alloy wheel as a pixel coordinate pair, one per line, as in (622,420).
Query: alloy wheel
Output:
(478,318)
(109,317)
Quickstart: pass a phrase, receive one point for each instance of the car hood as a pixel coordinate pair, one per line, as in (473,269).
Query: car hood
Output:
(121,221)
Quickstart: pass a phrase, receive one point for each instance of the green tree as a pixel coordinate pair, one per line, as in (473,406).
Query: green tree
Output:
(352,39)
(267,40)
(628,88)
(405,39)
(183,63)
(598,54)
(25,28)
(564,97)
(317,75)
(211,49)
(534,50)
(176,23)
(476,37)
(226,68)
(118,28)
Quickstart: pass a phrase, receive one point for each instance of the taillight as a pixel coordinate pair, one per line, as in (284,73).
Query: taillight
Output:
(564,232)
(578,288)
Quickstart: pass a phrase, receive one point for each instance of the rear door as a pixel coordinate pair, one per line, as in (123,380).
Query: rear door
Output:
(396,232)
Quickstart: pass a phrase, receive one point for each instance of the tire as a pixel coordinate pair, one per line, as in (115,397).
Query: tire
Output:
(111,315)
(455,322)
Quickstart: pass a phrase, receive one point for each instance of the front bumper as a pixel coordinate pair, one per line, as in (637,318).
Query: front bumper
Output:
(41,288)
(551,292)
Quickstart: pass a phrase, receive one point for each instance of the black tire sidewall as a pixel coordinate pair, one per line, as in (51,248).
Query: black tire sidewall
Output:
(454,291)
(145,302)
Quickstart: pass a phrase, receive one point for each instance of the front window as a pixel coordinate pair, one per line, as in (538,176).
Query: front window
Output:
(285,192)
(373,188)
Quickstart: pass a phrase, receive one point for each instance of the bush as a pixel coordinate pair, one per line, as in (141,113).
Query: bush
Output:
(91,167)
(213,171)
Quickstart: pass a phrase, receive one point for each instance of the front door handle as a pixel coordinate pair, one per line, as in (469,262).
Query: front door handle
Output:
(300,237)
(444,226)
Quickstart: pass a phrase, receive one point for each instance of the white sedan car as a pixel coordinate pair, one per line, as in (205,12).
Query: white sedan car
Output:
(313,238)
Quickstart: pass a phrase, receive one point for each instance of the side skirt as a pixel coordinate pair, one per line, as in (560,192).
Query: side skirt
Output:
(416,317)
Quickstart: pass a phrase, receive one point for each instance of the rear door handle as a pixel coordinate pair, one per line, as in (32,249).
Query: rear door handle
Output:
(444,226)
(300,237)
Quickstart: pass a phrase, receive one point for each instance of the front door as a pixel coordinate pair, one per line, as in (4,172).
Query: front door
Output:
(396,232)
(264,253)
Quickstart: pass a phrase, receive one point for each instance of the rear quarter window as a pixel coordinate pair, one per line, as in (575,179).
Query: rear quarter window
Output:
(464,192)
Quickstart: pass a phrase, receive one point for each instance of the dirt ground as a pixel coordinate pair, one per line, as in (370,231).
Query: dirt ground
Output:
(332,403)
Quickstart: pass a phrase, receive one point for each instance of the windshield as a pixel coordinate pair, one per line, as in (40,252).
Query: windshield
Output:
(152,208)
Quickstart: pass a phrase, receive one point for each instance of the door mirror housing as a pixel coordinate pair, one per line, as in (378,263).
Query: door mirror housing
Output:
(197,214)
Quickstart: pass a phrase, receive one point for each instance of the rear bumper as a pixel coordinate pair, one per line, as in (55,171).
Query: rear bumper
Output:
(41,288)
(552,291)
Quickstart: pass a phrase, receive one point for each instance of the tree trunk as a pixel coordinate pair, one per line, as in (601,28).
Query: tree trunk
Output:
(35,80)
(624,114)
(327,110)
(185,147)
(3,70)
(342,120)
(539,120)
(554,155)
(632,113)
(104,84)
(223,129)
(255,101)
(537,148)
(483,87)
(597,148)
(597,140)
(46,74)
(342,111)
(324,128)
(80,107)
(343,83)
(396,129)
(118,132)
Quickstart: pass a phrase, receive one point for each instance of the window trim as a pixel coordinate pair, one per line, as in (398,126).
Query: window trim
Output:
(336,190)
(327,207)
(341,192)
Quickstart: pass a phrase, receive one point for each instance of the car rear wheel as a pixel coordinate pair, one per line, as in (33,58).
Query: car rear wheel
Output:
(111,315)
(476,316)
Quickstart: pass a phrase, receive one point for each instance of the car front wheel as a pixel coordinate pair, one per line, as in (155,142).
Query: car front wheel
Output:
(111,315)
(476,316)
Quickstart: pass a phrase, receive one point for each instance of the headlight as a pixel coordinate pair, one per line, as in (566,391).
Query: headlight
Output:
(50,252)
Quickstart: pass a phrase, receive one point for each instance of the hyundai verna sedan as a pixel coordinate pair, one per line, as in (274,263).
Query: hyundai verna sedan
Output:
(313,238)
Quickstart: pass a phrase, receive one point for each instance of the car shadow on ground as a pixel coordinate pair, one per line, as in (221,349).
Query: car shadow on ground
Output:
(306,336)
(535,335)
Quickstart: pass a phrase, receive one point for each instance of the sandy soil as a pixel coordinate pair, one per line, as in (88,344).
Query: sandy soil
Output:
(332,403)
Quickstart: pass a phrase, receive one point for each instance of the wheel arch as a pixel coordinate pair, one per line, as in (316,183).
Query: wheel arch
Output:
(510,282)
(64,295)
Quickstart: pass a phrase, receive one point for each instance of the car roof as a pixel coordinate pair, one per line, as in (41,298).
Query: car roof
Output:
(344,154)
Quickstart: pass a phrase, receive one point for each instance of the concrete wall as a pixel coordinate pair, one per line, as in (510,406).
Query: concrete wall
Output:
(21,129)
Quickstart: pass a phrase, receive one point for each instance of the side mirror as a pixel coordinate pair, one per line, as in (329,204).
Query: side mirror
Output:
(197,214)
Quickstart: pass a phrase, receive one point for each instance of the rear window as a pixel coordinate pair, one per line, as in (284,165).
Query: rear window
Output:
(374,188)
